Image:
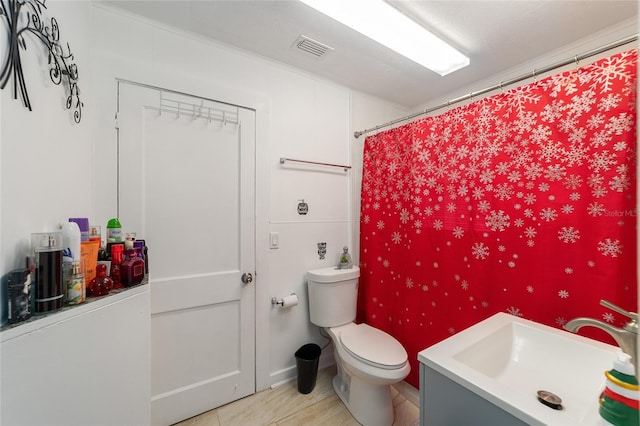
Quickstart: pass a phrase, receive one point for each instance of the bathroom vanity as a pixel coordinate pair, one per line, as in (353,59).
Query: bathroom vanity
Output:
(445,402)
(86,365)
(491,373)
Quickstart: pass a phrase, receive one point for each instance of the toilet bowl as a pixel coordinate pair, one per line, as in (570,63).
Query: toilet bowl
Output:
(369,360)
(370,353)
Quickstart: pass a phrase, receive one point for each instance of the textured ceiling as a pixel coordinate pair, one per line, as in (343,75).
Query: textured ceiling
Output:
(496,35)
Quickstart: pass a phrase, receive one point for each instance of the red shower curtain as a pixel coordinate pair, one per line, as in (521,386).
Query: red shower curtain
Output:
(523,202)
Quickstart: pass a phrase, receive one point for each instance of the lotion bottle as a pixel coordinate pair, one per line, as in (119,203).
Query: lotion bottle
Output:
(76,292)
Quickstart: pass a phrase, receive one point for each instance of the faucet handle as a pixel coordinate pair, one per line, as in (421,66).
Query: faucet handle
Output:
(631,315)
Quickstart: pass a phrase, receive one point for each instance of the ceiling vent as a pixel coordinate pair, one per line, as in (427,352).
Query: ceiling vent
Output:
(312,47)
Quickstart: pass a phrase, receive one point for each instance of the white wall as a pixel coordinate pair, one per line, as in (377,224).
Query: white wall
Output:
(562,53)
(298,115)
(45,159)
(45,178)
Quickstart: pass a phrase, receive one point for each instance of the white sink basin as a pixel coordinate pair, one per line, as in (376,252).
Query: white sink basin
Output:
(507,360)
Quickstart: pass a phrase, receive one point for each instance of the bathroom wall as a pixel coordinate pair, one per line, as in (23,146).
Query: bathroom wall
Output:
(594,41)
(298,116)
(52,169)
(46,161)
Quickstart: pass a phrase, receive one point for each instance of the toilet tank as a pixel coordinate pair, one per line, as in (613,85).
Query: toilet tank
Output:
(333,295)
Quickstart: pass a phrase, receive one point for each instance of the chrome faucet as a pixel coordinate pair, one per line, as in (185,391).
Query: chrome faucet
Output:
(626,337)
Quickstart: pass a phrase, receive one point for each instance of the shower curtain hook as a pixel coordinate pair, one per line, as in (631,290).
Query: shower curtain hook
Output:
(209,115)
(194,112)
(224,118)
(535,75)
(160,105)
(501,86)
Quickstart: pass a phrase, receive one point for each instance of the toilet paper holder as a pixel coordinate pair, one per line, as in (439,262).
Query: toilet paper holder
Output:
(285,302)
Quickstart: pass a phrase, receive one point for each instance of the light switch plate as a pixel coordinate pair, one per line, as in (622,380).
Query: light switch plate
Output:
(274,240)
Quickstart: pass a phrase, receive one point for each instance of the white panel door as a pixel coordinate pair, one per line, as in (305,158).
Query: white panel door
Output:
(187,186)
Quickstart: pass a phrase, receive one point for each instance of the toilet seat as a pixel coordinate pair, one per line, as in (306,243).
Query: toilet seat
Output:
(373,347)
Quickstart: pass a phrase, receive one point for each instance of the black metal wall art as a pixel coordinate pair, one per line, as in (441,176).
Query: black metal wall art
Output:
(24,20)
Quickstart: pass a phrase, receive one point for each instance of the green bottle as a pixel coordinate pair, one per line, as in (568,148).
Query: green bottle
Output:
(114,231)
(619,400)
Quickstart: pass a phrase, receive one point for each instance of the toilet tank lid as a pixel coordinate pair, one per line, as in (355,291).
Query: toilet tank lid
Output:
(333,274)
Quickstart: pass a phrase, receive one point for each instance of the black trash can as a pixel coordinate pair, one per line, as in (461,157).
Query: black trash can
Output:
(307,364)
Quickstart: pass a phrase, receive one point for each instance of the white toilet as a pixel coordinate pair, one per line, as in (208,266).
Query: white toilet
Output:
(369,360)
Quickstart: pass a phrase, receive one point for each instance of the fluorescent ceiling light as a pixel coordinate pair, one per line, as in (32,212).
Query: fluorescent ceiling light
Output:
(386,25)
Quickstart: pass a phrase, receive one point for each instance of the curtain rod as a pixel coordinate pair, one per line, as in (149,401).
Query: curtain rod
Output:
(502,84)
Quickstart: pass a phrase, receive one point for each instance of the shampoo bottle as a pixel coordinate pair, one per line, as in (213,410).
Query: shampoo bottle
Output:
(114,231)
(619,400)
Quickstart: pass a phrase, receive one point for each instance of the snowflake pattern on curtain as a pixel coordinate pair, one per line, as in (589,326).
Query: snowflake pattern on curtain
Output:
(523,202)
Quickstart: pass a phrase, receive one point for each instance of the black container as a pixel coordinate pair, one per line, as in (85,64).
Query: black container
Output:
(307,358)
(18,296)
(48,290)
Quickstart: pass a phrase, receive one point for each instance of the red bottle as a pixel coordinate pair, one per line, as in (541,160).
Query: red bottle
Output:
(117,254)
(132,269)
(101,285)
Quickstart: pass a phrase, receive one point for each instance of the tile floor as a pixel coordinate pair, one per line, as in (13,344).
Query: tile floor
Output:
(284,406)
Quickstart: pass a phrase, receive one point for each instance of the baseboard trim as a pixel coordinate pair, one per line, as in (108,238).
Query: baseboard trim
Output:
(327,359)
(285,375)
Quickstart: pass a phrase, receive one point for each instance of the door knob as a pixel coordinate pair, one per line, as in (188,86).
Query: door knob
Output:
(247,278)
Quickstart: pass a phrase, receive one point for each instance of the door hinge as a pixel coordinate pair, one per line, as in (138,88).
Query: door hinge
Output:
(116,122)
